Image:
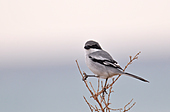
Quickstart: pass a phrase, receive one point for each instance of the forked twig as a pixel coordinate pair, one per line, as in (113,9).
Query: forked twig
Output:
(90,106)
(125,110)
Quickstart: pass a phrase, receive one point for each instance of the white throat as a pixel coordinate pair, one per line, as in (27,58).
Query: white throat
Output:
(91,51)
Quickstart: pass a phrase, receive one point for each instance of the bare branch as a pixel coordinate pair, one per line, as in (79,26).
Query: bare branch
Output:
(92,87)
(104,101)
(131,60)
(125,110)
(98,85)
(90,106)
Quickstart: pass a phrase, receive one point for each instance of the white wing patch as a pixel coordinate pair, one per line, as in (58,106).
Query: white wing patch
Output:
(116,65)
(99,58)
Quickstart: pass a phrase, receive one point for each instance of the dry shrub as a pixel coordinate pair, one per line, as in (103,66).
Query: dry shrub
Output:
(103,101)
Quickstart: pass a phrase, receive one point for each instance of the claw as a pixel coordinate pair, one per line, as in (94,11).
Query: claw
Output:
(85,76)
(104,91)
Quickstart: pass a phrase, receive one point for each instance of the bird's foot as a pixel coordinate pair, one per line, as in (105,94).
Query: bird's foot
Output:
(104,91)
(85,76)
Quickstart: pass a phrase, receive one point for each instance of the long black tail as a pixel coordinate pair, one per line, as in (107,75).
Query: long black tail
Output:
(137,77)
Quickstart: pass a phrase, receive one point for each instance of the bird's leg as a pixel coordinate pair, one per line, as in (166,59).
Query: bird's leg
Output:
(104,91)
(86,76)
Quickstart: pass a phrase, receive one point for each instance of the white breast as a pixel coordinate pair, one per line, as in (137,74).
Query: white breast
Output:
(96,68)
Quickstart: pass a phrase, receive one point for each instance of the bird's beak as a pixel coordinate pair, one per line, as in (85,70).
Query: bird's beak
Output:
(86,47)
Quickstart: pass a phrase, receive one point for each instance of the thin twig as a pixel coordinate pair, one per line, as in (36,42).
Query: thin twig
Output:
(97,110)
(92,87)
(117,109)
(98,85)
(131,60)
(125,110)
(110,91)
(90,106)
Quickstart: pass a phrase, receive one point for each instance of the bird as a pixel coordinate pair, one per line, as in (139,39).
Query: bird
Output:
(102,64)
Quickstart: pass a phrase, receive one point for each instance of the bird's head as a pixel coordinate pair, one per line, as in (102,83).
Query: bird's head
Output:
(92,45)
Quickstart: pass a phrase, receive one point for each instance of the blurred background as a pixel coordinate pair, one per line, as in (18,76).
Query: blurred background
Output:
(41,39)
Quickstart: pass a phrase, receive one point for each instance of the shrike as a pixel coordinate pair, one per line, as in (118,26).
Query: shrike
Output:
(102,64)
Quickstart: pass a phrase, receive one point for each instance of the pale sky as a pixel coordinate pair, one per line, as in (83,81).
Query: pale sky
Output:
(42,33)
(47,29)
(37,28)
